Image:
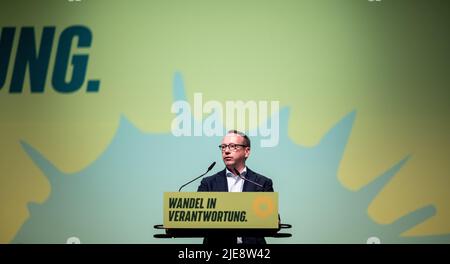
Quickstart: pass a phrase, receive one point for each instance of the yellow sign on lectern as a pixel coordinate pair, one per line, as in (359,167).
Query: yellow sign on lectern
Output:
(221,210)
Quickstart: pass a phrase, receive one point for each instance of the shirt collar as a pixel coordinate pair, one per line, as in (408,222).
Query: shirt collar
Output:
(230,174)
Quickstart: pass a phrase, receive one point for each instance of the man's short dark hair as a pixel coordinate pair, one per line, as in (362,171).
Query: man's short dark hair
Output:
(237,132)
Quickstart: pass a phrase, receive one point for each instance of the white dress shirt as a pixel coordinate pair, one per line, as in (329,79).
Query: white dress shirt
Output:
(236,184)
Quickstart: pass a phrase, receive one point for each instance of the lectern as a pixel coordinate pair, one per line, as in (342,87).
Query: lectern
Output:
(209,214)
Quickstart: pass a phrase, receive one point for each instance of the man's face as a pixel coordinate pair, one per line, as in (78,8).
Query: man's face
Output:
(234,158)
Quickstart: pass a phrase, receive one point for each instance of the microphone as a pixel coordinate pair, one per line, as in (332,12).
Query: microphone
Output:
(245,179)
(209,168)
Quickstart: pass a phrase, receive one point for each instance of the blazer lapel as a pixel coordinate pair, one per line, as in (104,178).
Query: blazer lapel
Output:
(248,186)
(222,184)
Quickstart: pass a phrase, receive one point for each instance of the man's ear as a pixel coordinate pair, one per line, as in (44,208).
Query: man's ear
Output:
(247,152)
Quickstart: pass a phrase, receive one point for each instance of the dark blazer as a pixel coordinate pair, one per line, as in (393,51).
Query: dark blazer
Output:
(218,183)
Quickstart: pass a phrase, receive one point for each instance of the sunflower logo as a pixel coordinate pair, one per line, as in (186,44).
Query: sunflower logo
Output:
(263,206)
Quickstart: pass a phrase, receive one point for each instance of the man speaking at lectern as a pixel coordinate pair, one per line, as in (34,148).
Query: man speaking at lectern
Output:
(235,149)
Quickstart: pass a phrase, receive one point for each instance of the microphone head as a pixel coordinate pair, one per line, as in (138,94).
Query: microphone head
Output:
(211,166)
